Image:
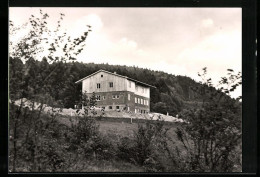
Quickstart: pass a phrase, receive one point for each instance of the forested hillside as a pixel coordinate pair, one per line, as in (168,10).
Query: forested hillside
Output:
(172,93)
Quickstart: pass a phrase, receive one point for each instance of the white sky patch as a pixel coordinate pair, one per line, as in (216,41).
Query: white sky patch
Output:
(222,49)
(207,22)
(81,25)
(123,52)
(128,43)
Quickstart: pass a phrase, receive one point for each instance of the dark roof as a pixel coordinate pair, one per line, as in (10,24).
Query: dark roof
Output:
(128,78)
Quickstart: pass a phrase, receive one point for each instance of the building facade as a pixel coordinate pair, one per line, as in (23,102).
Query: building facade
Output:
(117,92)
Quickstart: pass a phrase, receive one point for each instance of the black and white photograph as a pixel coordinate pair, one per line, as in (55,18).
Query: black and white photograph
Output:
(102,89)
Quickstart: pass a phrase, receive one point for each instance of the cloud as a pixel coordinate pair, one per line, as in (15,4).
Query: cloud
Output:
(217,52)
(93,20)
(100,48)
(207,22)
(128,43)
(80,25)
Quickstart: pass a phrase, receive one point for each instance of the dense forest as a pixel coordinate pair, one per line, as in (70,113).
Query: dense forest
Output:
(172,93)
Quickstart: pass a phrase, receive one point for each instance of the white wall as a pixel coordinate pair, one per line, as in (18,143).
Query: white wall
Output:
(142,91)
(119,84)
(128,84)
(90,84)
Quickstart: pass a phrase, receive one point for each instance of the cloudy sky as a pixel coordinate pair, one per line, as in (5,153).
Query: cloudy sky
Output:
(180,41)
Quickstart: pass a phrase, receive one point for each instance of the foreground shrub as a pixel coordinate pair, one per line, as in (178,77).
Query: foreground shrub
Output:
(211,135)
(84,135)
(210,139)
(145,148)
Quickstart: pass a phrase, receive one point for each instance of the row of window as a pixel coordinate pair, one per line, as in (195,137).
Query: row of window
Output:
(115,96)
(137,100)
(98,97)
(128,109)
(141,101)
(117,107)
(140,111)
(111,107)
(110,85)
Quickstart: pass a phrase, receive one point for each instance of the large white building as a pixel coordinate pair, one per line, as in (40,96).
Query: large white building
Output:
(117,92)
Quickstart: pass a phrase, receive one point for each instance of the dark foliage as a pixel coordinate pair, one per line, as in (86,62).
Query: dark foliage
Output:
(170,95)
(212,133)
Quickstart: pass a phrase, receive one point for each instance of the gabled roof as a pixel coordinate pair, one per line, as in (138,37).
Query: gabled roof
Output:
(128,78)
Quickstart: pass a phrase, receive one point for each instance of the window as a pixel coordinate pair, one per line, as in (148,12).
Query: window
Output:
(142,90)
(117,107)
(142,101)
(110,107)
(128,108)
(104,97)
(101,75)
(129,96)
(110,84)
(129,84)
(98,85)
(136,88)
(98,97)
(138,100)
(135,111)
(115,96)
(135,100)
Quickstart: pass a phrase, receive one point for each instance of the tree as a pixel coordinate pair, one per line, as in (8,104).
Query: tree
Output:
(54,45)
(212,133)
(15,78)
(33,81)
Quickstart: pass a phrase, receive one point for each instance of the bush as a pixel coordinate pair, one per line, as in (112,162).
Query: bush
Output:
(126,149)
(144,148)
(212,133)
(84,135)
